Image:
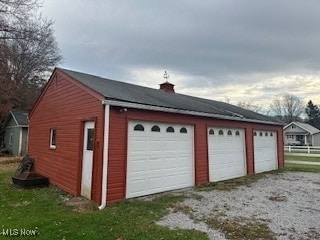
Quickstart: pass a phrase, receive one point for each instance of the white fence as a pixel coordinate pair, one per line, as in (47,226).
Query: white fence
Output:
(302,149)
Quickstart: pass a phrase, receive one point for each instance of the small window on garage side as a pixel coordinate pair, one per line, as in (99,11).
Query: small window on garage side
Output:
(211,132)
(229,133)
(11,139)
(237,133)
(271,134)
(53,138)
(170,129)
(90,139)
(138,127)
(261,134)
(155,128)
(220,132)
(183,130)
(266,134)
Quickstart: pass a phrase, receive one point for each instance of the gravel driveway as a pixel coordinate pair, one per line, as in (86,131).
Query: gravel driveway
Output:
(287,205)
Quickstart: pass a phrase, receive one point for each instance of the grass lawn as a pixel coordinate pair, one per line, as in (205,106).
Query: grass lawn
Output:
(43,211)
(302,158)
(301,168)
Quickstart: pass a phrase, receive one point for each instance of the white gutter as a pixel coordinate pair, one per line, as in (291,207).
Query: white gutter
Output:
(180,111)
(105,156)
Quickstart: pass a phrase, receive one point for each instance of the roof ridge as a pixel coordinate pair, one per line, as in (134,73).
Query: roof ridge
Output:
(103,78)
(130,92)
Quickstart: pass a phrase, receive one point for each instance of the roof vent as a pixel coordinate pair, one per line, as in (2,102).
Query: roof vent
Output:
(166,86)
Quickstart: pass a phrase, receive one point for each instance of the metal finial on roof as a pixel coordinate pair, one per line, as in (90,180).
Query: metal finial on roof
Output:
(166,76)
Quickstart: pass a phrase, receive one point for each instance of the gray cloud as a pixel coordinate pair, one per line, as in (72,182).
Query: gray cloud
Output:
(223,41)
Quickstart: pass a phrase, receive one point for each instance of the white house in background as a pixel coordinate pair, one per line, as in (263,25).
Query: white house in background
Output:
(298,133)
(16,133)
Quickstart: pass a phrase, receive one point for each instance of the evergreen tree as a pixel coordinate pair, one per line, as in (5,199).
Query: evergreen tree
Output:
(313,114)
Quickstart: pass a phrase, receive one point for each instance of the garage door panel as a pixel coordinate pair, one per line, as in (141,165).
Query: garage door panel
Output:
(167,156)
(154,145)
(138,145)
(155,164)
(226,153)
(138,185)
(265,151)
(138,166)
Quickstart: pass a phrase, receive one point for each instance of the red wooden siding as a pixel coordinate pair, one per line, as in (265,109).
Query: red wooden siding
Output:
(201,153)
(116,186)
(249,150)
(65,106)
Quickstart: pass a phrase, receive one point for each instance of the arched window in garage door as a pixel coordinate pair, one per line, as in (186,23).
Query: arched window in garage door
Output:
(170,129)
(138,127)
(183,130)
(155,128)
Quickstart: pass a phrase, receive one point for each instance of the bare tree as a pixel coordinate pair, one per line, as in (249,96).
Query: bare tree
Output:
(28,53)
(12,13)
(288,108)
(251,106)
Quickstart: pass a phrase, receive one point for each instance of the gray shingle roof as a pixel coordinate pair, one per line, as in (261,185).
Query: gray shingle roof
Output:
(121,91)
(311,129)
(21,118)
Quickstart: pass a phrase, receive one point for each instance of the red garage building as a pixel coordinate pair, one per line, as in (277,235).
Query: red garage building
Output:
(109,140)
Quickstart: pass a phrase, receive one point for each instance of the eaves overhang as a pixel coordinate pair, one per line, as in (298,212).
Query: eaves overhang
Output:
(182,111)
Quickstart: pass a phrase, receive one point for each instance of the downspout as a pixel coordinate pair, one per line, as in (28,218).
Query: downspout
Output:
(305,140)
(20,142)
(105,157)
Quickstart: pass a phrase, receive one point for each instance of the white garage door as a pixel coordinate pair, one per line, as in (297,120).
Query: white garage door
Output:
(160,158)
(226,153)
(265,151)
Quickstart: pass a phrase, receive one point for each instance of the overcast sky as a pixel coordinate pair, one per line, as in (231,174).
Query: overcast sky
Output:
(244,50)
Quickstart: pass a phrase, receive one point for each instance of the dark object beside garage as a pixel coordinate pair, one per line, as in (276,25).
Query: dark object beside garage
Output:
(25,177)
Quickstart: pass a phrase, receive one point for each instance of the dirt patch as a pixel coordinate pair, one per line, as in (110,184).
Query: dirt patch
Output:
(230,185)
(8,167)
(242,228)
(5,160)
(278,198)
(80,204)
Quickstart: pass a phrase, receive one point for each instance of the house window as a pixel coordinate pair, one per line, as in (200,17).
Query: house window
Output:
(138,127)
(90,139)
(220,132)
(53,138)
(293,126)
(155,128)
(170,129)
(229,133)
(11,139)
(183,130)
(211,132)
